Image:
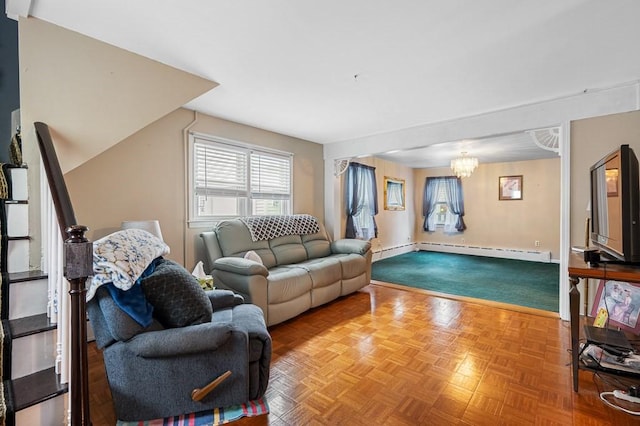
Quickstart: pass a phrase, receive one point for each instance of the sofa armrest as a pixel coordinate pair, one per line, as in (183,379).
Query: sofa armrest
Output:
(180,341)
(221,299)
(239,265)
(348,245)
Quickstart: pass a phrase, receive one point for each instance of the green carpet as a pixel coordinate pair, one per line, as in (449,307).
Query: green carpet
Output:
(517,282)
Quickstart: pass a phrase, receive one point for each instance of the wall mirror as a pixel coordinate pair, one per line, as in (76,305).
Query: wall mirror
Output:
(394,193)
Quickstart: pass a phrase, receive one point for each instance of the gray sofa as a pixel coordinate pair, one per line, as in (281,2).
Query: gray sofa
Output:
(293,272)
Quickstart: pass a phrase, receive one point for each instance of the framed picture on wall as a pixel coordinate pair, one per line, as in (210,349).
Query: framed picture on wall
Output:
(510,187)
(619,303)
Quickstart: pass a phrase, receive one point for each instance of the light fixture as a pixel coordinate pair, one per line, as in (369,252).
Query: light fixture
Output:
(464,165)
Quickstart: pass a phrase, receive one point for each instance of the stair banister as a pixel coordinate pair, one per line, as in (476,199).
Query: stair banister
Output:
(78,267)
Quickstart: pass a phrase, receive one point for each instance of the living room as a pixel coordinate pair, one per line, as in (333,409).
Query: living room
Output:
(137,169)
(318,174)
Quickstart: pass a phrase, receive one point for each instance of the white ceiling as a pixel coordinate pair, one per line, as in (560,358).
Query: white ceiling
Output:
(497,149)
(336,70)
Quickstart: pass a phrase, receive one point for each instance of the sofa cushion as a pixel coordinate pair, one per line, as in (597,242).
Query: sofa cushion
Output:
(352,264)
(287,283)
(317,248)
(288,249)
(323,272)
(176,296)
(234,240)
(110,323)
(318,244)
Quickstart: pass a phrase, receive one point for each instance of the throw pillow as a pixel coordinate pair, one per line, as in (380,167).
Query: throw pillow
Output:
(176,296)
(252,255)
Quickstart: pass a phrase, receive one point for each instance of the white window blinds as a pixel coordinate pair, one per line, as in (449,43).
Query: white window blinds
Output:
(231,179)
(270,176)
(220,170)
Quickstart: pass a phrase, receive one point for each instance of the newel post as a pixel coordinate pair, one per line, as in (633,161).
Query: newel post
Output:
(78,266)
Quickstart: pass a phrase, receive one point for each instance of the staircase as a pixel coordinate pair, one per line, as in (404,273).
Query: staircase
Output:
(33,393)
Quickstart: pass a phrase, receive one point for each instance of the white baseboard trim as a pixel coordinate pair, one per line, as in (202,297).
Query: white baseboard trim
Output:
(384,253)
(519,254)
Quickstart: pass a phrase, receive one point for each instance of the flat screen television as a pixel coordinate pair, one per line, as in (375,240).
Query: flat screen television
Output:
(615,209)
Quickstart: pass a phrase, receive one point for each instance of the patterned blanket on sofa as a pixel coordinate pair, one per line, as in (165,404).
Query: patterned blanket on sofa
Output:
(269,227)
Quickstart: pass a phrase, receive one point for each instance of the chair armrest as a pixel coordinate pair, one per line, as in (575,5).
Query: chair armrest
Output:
(180,341)
(221,299)
(240,265)
(348,245)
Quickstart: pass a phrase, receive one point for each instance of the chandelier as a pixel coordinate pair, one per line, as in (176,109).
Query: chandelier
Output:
(464,165)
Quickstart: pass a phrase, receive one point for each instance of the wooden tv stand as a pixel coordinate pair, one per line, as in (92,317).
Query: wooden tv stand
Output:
(578,269)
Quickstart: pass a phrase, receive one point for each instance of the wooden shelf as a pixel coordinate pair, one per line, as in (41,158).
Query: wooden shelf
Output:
(604,271)
(578,269)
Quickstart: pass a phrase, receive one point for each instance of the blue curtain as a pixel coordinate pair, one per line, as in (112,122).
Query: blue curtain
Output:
(361,201)
(454,196)
(429,199)
(455,201)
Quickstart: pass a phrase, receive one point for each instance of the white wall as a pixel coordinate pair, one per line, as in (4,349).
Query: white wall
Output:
(144,177)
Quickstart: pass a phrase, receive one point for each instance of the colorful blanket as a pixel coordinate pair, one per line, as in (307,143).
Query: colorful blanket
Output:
(218,416)
(269,227)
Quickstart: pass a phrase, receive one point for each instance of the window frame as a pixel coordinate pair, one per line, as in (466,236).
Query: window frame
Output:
(196,220)
(442,199)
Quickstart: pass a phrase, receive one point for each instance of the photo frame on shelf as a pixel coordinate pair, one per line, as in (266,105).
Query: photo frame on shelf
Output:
(394,193)
(611,176)
(619,302)
(510,187)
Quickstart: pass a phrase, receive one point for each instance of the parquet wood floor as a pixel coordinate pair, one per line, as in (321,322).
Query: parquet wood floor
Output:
(387,356)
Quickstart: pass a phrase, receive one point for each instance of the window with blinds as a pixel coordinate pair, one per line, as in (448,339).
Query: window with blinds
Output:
(230,179)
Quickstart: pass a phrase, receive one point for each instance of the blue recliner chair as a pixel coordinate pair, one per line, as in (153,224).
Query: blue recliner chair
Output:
(166,368)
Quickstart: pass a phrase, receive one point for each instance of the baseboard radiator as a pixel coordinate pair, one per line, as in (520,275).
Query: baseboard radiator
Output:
(383,253)
(519,254)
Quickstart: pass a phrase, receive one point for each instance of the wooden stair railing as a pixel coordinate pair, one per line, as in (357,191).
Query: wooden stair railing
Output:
(78,266)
